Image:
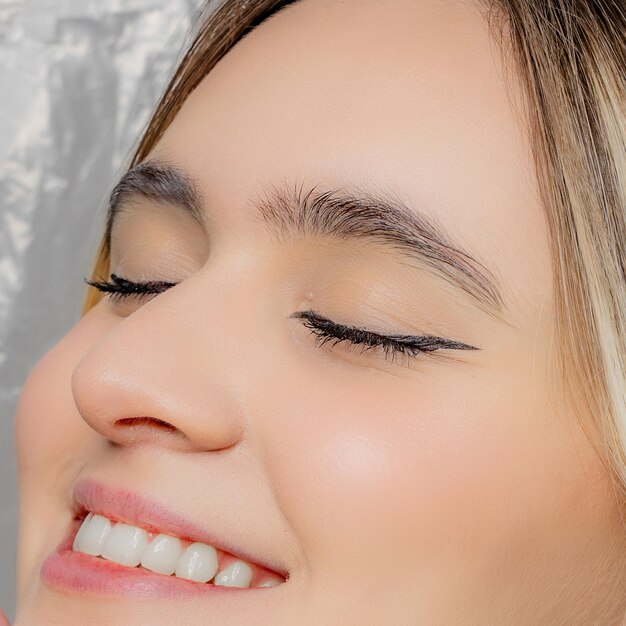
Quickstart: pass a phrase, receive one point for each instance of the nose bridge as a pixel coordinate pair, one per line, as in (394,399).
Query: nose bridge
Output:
(169,371)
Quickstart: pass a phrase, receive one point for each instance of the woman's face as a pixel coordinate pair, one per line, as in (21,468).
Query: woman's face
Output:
(343,154)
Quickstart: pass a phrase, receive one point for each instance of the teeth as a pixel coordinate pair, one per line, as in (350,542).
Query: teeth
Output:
(198,562)
(93,534)
(78,540)
(162,554)
(131,546)
(237,574)
(125,544)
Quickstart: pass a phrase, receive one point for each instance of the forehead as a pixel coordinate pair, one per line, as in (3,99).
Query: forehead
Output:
(411,97)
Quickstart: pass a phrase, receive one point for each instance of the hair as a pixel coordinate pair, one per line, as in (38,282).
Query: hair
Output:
(569,56)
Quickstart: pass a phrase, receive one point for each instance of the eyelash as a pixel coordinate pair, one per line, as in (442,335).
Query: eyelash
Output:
(392,346)
(324,329)
(120,288)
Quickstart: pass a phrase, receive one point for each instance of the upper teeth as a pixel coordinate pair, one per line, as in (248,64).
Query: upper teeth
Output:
(164,554)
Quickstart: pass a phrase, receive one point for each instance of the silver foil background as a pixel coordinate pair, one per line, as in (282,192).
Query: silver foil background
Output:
(77,81)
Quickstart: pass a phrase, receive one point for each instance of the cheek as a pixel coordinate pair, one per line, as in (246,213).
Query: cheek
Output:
(50,433)
(51,439)
(411,469)
(47,423)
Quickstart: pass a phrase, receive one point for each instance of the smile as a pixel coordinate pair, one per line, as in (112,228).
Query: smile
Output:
(121,543)
(160,553)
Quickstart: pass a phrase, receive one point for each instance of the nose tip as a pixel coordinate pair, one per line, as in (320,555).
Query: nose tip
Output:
(166,373)
(130,397)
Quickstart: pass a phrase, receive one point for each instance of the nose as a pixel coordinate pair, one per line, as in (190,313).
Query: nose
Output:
(159,376)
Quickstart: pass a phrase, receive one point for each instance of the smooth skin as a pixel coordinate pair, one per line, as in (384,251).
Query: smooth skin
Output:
(447,490)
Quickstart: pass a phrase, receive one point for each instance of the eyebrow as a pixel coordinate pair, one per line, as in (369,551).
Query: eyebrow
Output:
(338,213)
(152,180)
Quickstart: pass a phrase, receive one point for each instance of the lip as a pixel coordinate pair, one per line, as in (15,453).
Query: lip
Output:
(76,572)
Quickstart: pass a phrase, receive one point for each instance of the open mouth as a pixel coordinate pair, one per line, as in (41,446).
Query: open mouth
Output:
(121,543)
(161,553)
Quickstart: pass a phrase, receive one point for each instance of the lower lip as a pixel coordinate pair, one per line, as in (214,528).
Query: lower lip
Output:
(75,572)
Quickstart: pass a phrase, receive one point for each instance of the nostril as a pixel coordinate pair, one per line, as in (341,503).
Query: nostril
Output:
(145,421)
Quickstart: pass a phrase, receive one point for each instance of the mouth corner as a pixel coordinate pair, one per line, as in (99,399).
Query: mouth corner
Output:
(79,512)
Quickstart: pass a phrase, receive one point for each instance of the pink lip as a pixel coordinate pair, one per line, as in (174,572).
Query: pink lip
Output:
(72,571)
(79,573)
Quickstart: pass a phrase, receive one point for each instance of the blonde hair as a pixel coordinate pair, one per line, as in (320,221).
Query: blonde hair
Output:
(570,57)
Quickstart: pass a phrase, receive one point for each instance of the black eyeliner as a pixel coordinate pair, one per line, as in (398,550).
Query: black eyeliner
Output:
(324,329)
(402,343)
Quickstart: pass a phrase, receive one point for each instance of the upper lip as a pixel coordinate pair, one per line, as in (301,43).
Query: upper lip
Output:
(125,506)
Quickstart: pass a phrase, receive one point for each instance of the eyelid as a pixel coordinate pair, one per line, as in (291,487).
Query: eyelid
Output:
(412,346)
(394,344)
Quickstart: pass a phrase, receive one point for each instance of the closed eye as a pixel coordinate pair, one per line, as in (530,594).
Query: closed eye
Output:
(120,288)
(324,329)
(391,344)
